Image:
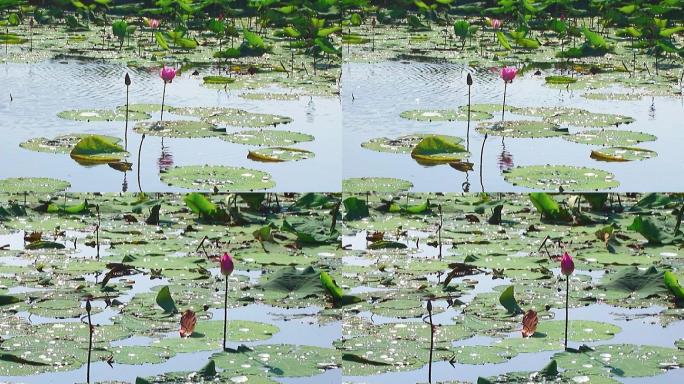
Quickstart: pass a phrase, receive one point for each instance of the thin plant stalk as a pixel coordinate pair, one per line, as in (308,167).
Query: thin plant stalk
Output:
(567,294)
(503,106)
(90,339)
(432,339)
(139,152)
(161,116)
(225,314)
(481,157)
(128,83)
(439,230)
(470,83)
(97,230)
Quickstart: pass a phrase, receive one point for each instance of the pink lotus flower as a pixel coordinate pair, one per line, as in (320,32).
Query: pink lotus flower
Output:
(495,23)
(152,23)
(227,265)
(167,74)
(567,265)
(508,74)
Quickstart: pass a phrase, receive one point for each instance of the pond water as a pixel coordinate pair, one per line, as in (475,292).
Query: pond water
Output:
(374,95)
(41,90)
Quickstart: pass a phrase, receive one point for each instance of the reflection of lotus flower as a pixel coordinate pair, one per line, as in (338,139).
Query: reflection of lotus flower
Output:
(165,160)
(187,323)
(226,264)
(567,265)
(508,74)
(167,74)
(505,160)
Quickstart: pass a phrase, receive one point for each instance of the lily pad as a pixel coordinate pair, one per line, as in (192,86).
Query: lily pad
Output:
(279,360)
(522,129)
(613,96)
(552,177)
(178,128)
(223,178)
(375,184)
(445,115)
(610,137)
(208,335)
(622,154)
(402,144)
(102,115)
(60,144)
(33,185)
(270,96)
(144,108)
(622,360)
(97,150)
(438,150)
(232,117)
(279,154)
(560,80)
(582,118)
(267,137)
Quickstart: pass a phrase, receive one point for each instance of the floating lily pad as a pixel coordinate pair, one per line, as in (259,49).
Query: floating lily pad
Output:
(522,129)
(560,80)
(232,116)
(102,115)
(208,335)
(622,154)
(178,128)
(218,80)
(375,184)
(267,137)
(60,144)
(402,144)
(552,177)
(207,178)
(581,118)
(622,360)
(144,108)
(444,115)
(546,111)
(270,96)
(279,360)
(438,150)
(97,150)
(613,96)
(610,137)
(484,108)
(279,154)
(33,185)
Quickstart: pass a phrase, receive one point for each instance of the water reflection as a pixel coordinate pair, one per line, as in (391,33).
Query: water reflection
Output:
(165,159)
(505,159)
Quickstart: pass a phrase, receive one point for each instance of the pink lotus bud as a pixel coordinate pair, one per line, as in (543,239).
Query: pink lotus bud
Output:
(496,23)
(167,74)
(152,23)
(227,265)
(567,265)
(508,74)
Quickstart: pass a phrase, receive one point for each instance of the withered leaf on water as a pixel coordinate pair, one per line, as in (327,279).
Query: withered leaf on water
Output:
(530,321)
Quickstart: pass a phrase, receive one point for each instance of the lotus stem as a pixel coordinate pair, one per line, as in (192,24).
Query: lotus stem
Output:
(225,314)
(161,116)
(481,157)
(468,128)
(139,152)
(439,230)
(503,106)
(90,339)
(432,339)
(97,231)
(126,129)
(567,294)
